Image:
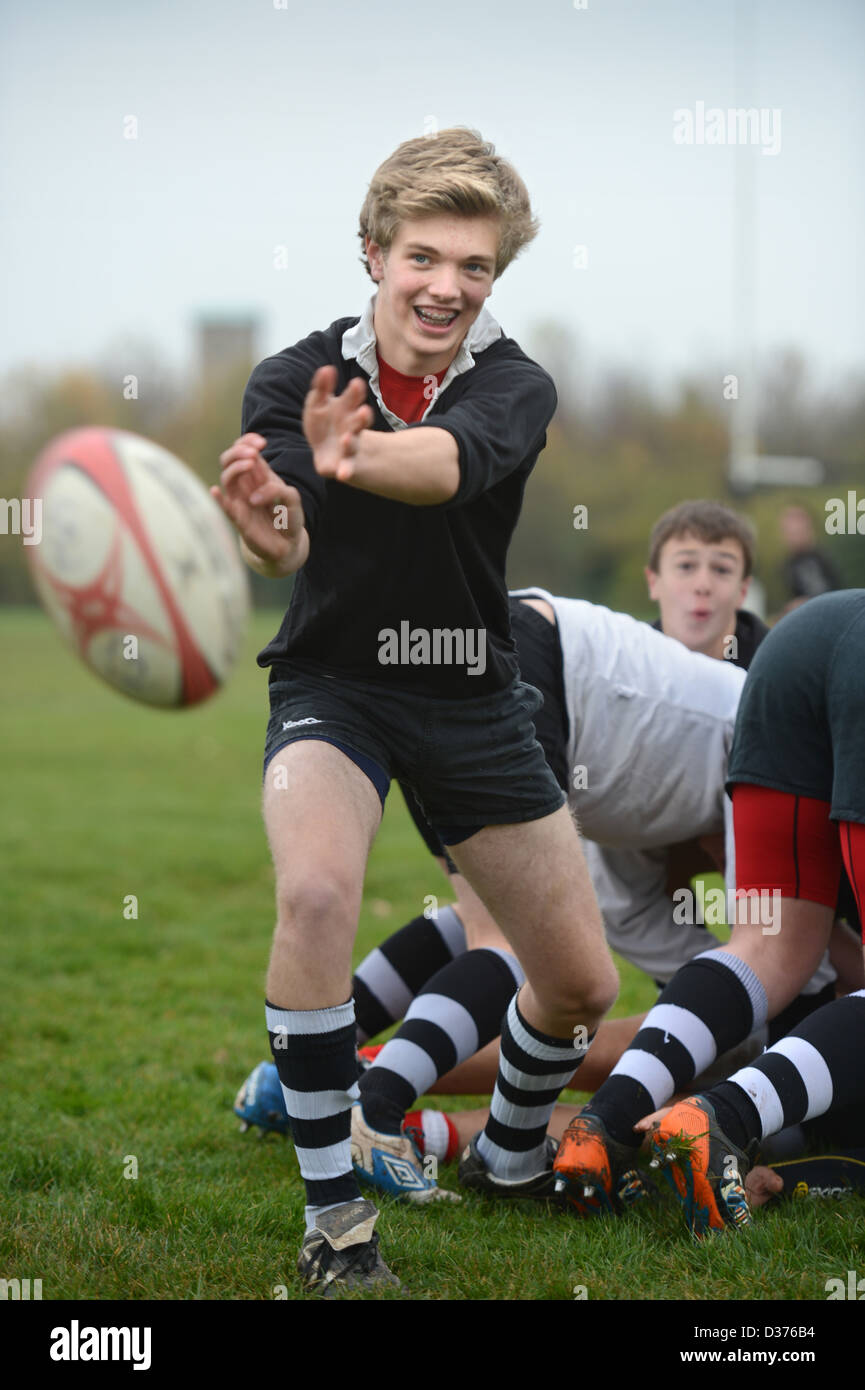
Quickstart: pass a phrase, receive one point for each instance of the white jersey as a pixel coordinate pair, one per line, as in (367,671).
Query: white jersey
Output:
(651,724)
(650,728)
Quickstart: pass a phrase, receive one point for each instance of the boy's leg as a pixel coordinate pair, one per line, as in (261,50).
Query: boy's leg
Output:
(321,813)
(533,880)
(389,978)
(814,1069)
(716,1000)
(712,1003)
(706,1144)
(454,1014)
(477,1075)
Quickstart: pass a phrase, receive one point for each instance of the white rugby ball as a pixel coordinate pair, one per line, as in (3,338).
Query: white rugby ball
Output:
(137,566)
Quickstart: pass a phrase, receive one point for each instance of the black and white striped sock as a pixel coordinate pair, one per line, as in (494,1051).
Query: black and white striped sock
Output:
(388,979)
(533,1070)
(314,1052)
(457,1012)
(817,1066)
(711,1004)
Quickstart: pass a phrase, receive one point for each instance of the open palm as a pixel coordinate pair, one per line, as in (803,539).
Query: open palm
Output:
(332,424)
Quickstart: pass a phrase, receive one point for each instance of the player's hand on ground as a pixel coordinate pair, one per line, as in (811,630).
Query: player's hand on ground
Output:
(650,1123)
(264,509)
(762,1184)
(332,424)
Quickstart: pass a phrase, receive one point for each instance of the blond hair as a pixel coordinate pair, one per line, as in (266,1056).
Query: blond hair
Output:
(455,171)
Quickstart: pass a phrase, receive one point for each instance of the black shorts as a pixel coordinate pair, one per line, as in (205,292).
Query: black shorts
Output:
(800,726)
(539,653)
(470,763)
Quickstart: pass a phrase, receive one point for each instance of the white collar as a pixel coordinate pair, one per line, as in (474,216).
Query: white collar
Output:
(359,343)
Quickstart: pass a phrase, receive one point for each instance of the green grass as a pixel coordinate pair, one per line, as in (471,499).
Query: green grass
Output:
(125,1037)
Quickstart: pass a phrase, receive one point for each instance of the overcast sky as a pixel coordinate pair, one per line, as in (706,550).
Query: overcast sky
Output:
(260,126)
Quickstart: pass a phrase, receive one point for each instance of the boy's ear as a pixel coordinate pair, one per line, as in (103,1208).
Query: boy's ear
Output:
(743,592)
(652,582)
(375,256)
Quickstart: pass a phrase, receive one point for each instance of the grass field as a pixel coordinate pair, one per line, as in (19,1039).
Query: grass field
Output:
(127,1037)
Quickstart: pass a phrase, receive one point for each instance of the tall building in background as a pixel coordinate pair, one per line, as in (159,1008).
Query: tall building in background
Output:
(227,344)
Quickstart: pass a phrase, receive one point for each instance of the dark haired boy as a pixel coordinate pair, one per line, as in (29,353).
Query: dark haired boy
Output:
(701,557)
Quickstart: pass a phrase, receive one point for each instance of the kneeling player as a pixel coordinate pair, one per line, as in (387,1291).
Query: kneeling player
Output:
(654,775)
(797,779)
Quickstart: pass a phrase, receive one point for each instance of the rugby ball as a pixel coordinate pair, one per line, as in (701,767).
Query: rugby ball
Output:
(137,566)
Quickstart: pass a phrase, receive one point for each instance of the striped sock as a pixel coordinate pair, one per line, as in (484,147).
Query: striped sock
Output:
(533,1070)
(815,1067)
(711,1004)
(455,1014)
(315,1058)
(388,979)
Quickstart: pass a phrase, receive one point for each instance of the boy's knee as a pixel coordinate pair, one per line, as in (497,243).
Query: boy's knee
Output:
(312,904)
(589,997)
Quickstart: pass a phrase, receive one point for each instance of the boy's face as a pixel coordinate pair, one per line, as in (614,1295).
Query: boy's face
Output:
(432,284)
(698,588)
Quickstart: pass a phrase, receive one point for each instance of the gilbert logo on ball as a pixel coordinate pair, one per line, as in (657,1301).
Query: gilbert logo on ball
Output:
(137,566)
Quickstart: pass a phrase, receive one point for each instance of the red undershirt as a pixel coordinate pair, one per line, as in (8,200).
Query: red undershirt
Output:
(404,395)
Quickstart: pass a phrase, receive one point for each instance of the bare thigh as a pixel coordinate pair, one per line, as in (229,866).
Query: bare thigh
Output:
(321,814)
(533,880)
(481,929)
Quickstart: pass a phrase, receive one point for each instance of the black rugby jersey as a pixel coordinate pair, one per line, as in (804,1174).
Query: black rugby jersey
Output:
(381,566)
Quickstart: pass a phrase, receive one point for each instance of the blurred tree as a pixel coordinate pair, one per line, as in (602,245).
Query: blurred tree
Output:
(617,450)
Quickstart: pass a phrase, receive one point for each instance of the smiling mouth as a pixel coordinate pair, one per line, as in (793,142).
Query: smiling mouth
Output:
(436,318)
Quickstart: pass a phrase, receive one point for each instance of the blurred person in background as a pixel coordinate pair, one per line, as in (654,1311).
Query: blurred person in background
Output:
(700,567)
(807,571)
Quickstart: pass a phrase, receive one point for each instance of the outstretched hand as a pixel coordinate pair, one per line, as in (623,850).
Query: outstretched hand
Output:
(266,511)
(333,424)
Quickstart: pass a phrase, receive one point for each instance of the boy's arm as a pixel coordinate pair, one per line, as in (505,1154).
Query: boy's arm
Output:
(267,512)
(453,458)
(421,467)
(269,487)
